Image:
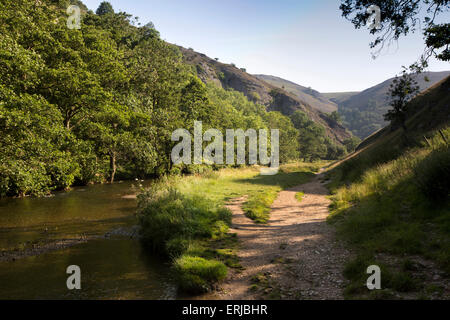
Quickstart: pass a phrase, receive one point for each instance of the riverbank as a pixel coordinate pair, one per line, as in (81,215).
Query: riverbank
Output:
(92,227)
(184,218)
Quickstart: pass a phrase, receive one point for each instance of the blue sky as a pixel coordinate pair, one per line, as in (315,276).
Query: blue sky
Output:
(305,41)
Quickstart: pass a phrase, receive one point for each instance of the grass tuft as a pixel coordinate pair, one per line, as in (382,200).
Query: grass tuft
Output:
(197,275)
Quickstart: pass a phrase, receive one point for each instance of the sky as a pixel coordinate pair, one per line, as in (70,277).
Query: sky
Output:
(304,41)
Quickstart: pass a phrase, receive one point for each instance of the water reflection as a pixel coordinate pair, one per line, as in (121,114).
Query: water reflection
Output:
(111,268)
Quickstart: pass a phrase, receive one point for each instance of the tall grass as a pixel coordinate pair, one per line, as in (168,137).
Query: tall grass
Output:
(399,207)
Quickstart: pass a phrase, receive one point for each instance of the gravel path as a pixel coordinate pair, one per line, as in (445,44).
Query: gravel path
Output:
(296,255)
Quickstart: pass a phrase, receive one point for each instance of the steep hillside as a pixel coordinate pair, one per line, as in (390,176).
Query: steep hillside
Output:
(312,97)
(257,90)
(391,204)
(339,97)
(363,113)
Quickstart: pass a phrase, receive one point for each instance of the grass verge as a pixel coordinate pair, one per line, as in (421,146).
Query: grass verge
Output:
(184,218)
(397,209)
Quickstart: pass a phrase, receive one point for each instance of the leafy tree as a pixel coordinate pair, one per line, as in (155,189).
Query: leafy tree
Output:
(401,17)
(311,137)
(336,117)
(352,143)
(401,91)
(104,8)
(289,148)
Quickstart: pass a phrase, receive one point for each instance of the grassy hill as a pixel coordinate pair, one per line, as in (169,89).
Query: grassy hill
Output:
(363,113)
(314,98)
(391,203)
(339,97)
(274,98)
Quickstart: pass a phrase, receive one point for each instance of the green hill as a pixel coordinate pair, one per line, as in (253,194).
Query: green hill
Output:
(363,113)
(391,203)
(256,89)
(310,96)
(339,97)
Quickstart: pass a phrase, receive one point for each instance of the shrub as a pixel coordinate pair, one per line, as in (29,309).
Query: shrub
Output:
(197,274)
(169,217)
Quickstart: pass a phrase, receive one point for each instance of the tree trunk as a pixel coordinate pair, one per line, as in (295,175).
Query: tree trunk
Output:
(67,124)
(112,165)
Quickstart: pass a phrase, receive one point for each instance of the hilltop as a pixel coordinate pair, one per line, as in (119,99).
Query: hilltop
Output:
(362,112)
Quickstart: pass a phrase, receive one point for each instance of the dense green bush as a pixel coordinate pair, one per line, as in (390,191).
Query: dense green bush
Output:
(170,218)
(180,227)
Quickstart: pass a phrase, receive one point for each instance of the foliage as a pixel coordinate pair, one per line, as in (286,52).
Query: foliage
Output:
(335,116)
(104,8)
(196,274)
(100,103)
(399,207)
(399,18)
(401,91)
(313,142)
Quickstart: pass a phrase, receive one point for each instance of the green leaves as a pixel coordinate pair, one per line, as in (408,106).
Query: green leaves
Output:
(90,105)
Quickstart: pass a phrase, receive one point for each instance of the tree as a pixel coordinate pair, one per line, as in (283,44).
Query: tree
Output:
(312,142)
(288,136)
(401,17)
(352,143)
(336,117)
(104,8)
(401,91)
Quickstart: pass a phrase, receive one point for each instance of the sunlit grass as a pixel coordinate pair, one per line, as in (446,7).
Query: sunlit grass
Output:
(184,217)
(400,207)
(299,196)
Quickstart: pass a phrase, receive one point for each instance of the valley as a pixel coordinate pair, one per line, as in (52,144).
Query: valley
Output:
(156,172)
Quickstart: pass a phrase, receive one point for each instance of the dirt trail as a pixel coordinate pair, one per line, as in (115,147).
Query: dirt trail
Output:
(297,251)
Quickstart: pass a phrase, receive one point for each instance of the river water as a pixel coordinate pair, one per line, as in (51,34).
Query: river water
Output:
(112,267)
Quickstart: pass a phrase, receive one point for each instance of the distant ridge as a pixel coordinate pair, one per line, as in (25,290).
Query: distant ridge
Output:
(274,98)
(364,112)
(314,98)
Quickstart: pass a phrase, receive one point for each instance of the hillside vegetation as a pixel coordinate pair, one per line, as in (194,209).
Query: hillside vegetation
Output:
(391,203)
(274,98)
(312,97)
(363,113)
(100,103)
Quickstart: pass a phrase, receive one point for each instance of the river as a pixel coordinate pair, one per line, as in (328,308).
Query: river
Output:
(90,227)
